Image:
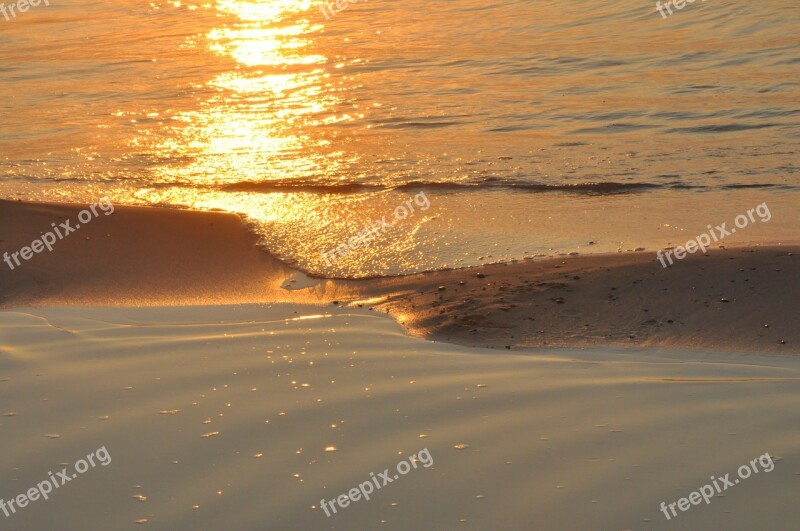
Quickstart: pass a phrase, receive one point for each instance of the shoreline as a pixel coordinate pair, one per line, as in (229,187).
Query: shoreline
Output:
(149,256)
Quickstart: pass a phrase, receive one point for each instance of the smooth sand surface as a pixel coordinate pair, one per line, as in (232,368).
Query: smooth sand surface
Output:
(560,441)
(729,299)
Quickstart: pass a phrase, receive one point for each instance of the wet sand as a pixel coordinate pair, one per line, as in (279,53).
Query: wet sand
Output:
(245,417)
(729,299)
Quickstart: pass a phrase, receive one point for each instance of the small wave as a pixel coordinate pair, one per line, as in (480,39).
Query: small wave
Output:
(614,128)
(724,128)
(300,186)
(483,185)
(586,187)
(753,185)
(417,125)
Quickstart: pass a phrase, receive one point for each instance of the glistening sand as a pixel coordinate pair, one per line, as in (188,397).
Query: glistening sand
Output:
(564,440)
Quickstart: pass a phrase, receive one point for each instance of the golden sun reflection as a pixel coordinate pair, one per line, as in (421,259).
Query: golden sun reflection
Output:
(268,134)
(263,120)
(259,11)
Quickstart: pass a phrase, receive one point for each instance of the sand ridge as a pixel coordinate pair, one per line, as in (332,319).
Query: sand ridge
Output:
(732,299)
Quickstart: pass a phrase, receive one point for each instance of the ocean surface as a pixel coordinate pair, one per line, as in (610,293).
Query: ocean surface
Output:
(514,129)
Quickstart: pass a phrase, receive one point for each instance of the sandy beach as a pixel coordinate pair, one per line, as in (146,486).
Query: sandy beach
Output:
(245,417)
(732,299)
(283,265)
(232,391)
